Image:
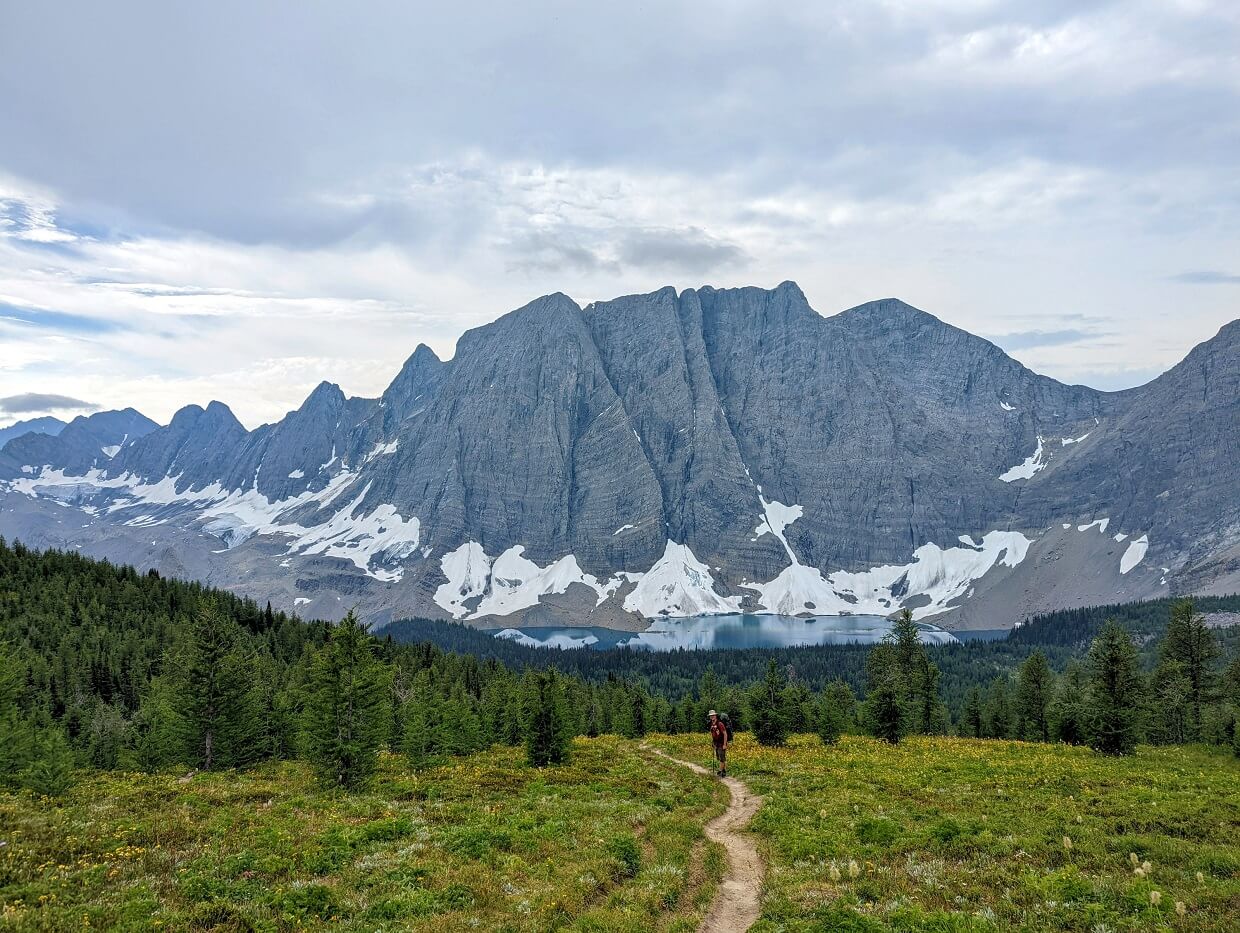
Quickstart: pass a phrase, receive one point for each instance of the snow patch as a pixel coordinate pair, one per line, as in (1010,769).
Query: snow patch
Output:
(1075,440)
(297,474)
(944,575)
(677,585)
(382,450)
(236,515)
(1135,553)
(622,528)
(1006,407)
(518,583)
(775,518)
(1032,464)
(110,451)
(1100,524)
(467,569)
(1120,537)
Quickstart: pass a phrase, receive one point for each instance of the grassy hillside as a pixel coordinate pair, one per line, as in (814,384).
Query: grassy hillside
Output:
(961,834)
(947,834)
(606,843)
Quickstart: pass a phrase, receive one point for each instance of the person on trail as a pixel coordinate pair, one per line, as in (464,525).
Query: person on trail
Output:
(719,738)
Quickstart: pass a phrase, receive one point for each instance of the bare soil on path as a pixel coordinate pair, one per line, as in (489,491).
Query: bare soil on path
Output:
(736,905)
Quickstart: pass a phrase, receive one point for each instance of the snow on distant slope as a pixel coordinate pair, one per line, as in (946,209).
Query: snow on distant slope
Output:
(1032,464)
(518,583)
(236,515)
(775,518)
(941,575)
(677,585)
(1134,554)
(467,569)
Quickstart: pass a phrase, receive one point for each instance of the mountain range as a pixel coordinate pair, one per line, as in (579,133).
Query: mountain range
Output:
(675,453)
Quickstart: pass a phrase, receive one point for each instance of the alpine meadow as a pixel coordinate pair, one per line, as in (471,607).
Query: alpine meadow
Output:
(699,468)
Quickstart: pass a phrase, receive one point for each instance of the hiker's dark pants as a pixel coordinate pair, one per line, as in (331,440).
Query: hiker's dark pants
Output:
(721,756)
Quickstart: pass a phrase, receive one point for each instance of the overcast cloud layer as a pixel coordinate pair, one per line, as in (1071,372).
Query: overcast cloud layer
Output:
(237,200)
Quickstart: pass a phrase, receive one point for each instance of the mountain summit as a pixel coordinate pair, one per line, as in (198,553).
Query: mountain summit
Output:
(712,450)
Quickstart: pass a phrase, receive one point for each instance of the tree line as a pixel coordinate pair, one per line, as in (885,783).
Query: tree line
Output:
(103,667)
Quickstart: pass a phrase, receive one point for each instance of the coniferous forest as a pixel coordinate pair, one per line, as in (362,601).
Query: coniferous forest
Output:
(103,667)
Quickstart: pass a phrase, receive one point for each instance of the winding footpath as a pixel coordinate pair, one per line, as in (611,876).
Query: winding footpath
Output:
(736,905)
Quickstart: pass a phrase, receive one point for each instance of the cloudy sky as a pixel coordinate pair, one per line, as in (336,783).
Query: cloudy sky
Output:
(237,200)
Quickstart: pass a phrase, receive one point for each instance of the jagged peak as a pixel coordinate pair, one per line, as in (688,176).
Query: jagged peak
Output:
(888,308)
(216,412)
(325,393)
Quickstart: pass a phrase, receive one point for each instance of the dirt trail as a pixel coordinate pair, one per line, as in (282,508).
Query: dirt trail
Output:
(735,907)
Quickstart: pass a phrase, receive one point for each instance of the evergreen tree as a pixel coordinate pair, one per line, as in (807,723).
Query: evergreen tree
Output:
(16,740)
(828,719)
(767,718)
(421,723)
(971,722)
(159,729)
(346,716)
(461,728)
(1068,710)
(998,711)
(885,708)
(1190,645)
(1114,698)
(218,707)
(844,703)
(1170,703)
(1034,690)
(547,740)
(930,713)
(51,771)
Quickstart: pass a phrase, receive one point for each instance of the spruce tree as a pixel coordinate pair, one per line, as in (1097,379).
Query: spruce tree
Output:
(971,722)
(1068,710)
(547,739)
(885,710)
(1114,700)
(217,704)
(346,713)
(828,719)
(159,728)
(16,740)
(1034,690)
(844,702)
(767,719)
(51,771)
(421,723)
(1190,645)
(998,710)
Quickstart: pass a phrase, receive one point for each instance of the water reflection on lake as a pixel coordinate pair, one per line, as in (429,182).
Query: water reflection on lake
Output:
(726,631)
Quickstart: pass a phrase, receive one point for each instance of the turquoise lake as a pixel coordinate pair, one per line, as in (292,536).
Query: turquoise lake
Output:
(726,631)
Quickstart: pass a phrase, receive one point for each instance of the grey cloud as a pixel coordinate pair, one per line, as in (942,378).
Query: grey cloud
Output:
(1207,277)
(547,253)
(1024,340)
(866,99)
(689,250)
(28,402)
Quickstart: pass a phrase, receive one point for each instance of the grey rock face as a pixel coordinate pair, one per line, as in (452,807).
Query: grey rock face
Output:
(46,425)
(85,442)
(604,433)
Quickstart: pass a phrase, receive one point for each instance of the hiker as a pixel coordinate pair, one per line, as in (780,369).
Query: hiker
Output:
(719,738)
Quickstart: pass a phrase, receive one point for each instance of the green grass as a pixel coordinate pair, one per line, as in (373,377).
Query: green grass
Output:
(944,834)
(606,843)
(960,834)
